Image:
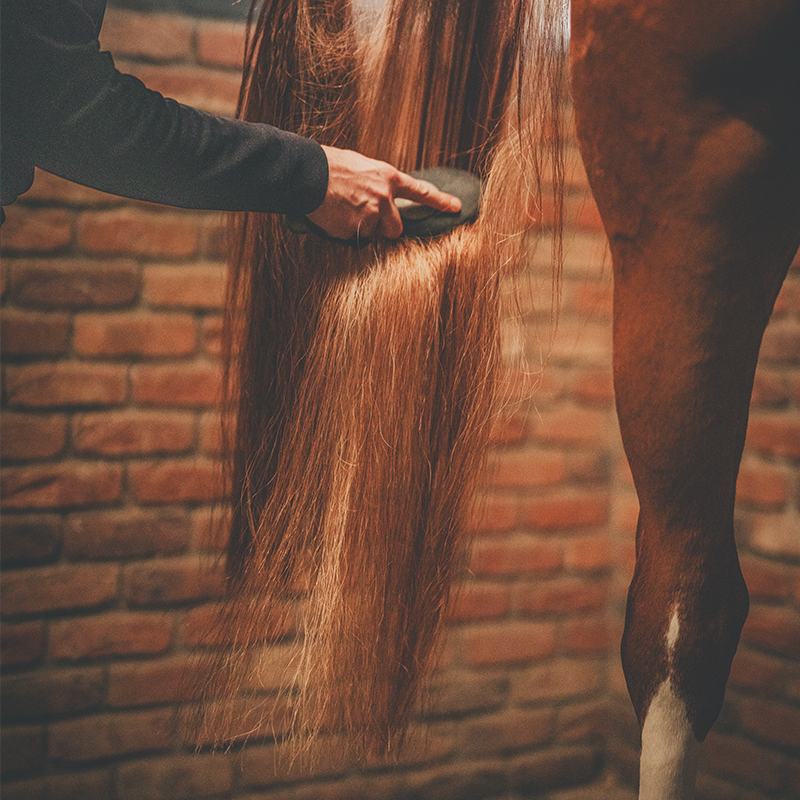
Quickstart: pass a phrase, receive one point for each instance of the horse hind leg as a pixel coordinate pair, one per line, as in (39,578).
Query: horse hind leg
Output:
(688,118)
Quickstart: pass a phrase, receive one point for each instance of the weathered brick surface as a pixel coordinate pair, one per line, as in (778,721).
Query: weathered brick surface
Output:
(106,736)
(58,588)
(32,697)
(122,534)
(66,485)
(111,335)
(43,283)
(112,634)
(132,432)
(26,333)
(30,539)
(66,383)
(30,438)
(134,334)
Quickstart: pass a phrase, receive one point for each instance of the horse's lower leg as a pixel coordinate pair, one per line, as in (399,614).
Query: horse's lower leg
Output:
(689,120)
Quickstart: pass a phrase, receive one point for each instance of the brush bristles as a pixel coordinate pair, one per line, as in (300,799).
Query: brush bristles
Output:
(363,381)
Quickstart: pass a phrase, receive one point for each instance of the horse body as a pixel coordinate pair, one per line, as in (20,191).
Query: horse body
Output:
(688,118)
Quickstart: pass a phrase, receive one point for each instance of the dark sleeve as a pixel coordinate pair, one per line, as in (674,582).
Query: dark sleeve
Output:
(74,114)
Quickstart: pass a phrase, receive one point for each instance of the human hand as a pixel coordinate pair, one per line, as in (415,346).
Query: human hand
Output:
(360,201)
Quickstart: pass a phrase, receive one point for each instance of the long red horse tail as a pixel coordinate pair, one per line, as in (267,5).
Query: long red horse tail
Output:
(361,382)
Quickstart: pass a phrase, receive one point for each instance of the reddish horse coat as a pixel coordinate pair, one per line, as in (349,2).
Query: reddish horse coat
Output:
(688,116)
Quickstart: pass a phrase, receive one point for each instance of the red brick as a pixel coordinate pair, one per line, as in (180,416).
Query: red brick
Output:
(508,428)
(30,539)
(26,333)
(31,437)
(587,467)
(58,588)
(65,384)
(765,580)
(209,89)
(586,636)
(588,553)
(507,732)
(198,480)
(123,534)
(117,634)
(626,514)
(23,750)
(494,513)
(783,302)
(751,670)
(22,644)
(770,389)
(585,722)
(578,342)
(587,298)
(761,485)
(574,426)
(776,535)
(508,643)
(743,760)
(170,581)
(41,230)
(210,528)
(775,434)
(74,284)
(567,510)
(135,334)
(183,384)
(210,434)
(66,485)
(480,601)
(520,470)
(176,776)
(52,694)
(520,555)
(774,629)
(190,286)
(160,37)
(595,386)
(156,682)
(212,335)
(220,43)
(133,230)
(558,680)
(91,784)
(458,693)
(781,343)
(105,736)
(584,215)
(133,432)
(563,596)
(774,723)
(269,718)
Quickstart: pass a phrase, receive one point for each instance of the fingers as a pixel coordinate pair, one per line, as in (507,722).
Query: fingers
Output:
(360,202)
(426,194)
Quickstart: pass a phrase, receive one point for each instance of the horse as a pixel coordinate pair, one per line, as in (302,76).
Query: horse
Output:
(688,121)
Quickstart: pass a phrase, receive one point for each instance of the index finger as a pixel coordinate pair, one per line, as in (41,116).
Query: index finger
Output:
(426,194)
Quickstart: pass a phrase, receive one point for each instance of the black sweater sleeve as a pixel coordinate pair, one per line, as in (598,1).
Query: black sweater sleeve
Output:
(67,109)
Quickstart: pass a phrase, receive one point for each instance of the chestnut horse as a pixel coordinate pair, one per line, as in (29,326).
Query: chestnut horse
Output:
(688,117)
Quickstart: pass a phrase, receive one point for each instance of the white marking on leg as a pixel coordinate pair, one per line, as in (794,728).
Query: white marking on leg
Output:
(673,630)
(668,763)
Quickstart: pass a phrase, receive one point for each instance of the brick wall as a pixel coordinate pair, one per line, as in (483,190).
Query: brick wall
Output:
(111,318)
